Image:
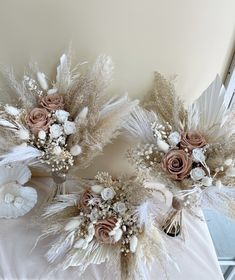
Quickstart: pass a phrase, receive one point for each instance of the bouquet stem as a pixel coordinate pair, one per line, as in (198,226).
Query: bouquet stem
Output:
(59,179)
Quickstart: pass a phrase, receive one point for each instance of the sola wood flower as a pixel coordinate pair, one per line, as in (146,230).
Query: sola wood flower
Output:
(107,220)
(15,198)
(190,150)
(63,123)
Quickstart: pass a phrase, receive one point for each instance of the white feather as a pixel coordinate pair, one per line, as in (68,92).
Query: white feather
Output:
(21,153)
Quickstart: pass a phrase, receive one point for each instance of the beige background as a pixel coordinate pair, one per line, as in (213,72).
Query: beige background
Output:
(191,38)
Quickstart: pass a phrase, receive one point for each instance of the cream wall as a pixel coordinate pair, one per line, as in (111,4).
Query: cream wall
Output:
(191,38)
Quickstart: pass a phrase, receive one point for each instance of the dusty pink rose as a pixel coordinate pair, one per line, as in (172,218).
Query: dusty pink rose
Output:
(103,228)
(84,200)
(192,140)
(38,119)
(52,102)
(177,164)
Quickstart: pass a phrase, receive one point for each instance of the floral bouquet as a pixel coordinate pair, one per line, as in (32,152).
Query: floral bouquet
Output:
(106,220)
(62,123)
(191,151)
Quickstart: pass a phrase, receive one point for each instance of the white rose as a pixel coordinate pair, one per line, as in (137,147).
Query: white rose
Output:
(197,173)
(61,115)
(198,155)
(207,181)
(174,138)
(120,207)
(107,193)
(56,130)
(69,127)
(13,111)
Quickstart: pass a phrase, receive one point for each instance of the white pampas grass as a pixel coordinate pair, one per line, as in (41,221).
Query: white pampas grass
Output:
(133,244)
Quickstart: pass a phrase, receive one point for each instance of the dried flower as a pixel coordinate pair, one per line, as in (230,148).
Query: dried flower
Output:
(38,119)
(52,102)
(177,164)
(192,140)
(103,228)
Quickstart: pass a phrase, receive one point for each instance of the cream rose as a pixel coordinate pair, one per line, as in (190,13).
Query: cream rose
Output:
(192,140)
(52,102)
(177,164)
(103,229)
(38,119)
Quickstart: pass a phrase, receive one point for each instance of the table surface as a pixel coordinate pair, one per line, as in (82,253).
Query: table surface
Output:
(195,257)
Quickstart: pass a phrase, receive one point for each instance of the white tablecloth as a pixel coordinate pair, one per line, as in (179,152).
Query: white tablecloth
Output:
(196,257)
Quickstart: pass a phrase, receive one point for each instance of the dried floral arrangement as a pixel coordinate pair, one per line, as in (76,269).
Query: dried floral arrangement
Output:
(191,151)
(109,221)
(63,123)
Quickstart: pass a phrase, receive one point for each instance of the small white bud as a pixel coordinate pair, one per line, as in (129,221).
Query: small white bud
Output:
(42,134)
(52,91)
(75,150)
(82,115)
(118,234)
(57,150)
(162,145)
(207,181)
(42,80)
(133,244)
